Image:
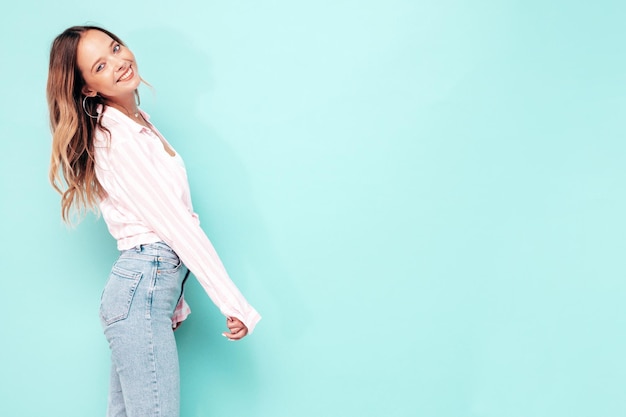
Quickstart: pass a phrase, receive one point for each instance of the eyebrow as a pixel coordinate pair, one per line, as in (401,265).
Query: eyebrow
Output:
(113,42)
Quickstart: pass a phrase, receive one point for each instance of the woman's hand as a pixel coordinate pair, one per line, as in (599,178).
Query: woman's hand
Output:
(237,329)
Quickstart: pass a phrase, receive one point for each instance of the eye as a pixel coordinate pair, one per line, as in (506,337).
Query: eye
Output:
(117,48)
(99,67)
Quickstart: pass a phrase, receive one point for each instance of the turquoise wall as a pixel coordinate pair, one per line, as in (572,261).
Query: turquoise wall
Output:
(425,200)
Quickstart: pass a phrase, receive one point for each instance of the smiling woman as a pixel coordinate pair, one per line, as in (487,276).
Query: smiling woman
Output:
(109,154)
(110,71)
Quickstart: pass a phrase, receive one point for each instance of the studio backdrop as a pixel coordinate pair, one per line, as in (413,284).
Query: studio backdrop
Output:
(424,200)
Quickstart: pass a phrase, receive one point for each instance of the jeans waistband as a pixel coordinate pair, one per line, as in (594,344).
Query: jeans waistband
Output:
(156,249)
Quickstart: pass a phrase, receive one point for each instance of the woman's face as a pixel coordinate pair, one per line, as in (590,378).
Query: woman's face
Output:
(109,68)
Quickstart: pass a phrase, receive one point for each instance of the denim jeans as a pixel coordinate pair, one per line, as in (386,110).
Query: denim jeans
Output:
(137,305)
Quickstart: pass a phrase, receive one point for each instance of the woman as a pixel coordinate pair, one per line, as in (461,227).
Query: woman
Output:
(108,154)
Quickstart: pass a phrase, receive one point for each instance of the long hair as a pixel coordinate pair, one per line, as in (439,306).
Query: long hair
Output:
(72,161)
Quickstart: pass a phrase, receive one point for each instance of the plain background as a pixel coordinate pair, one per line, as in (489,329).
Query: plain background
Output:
(424,200)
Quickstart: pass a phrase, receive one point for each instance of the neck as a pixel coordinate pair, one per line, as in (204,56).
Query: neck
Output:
(128,107)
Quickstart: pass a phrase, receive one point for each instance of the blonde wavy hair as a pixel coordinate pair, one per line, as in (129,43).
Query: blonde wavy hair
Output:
(72,164)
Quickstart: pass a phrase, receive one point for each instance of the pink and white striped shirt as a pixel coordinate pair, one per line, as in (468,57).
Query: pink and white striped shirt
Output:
(148,200)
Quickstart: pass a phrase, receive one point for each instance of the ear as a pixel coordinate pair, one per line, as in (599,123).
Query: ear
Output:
(88,92)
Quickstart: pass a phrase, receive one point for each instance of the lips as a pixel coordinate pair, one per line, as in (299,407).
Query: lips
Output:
(127,75)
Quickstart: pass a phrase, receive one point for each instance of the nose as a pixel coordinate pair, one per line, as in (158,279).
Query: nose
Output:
(118,63)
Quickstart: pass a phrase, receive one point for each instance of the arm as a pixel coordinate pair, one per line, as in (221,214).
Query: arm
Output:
(154,194)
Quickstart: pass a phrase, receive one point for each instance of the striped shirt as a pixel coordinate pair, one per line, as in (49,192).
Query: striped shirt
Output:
(148,200)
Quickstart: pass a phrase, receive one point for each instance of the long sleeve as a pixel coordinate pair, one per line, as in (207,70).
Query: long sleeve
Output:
(137,176)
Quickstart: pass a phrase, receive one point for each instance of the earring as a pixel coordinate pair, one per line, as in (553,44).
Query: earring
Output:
(85,108)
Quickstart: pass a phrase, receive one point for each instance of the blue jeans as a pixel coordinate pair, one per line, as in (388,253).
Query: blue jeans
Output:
(137,305)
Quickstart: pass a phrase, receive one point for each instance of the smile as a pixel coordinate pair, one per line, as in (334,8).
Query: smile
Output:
(127,75)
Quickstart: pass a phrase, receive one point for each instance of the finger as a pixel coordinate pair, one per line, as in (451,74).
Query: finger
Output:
(234,330)
(236,336)
(233,323)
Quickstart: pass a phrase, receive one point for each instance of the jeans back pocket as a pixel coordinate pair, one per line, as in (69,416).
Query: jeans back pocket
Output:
(118,294)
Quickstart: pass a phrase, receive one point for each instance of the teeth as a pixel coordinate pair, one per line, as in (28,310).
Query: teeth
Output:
(126,75)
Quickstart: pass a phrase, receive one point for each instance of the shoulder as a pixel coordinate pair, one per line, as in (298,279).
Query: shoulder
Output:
(112,131)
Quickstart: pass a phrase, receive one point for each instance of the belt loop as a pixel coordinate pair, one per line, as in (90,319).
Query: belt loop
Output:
(138,248)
